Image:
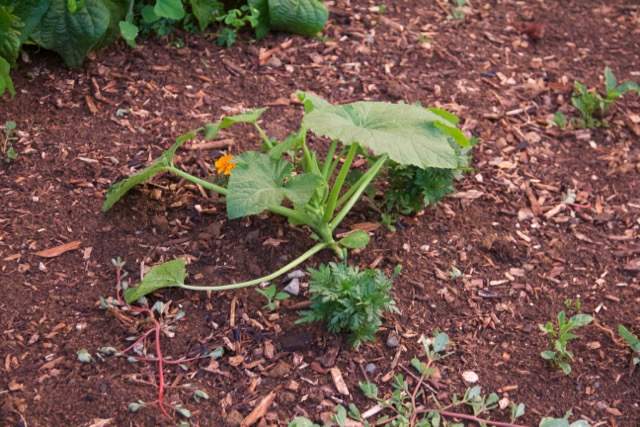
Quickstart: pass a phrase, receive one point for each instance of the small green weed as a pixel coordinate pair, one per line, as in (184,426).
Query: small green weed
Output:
(593,107)
(633,342)
(574,305)
(350,300)
(406,405)
(457,10)
(273,296)
(559,338)
(233,21)
(559,120)
(7,142)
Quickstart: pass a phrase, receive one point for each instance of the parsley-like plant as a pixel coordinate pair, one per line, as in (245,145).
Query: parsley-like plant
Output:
(350,300)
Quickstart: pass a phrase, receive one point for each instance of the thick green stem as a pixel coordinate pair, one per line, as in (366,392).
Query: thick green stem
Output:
(263,135)
(371,174)
(314,250)
(129,15)
(206,184)
(329,160)
(292,214)
(335,163)
(337,185)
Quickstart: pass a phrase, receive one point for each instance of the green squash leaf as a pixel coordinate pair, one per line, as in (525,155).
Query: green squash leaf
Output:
(409,134)
(262,27)
(251,116)
(149,15)
(171,9)
(356,240)
(10,43)
(129,32)
(165,275)
(164,162)
(255,184)
(205,11)
(30,13)
(72,35)
(5,79)
(304,17)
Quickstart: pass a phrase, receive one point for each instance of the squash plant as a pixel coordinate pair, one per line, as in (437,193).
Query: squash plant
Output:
(314,188)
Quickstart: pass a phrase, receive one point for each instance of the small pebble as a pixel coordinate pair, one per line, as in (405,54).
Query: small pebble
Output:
(293,288)
(370,368)
(470,377)
(296,274)
(393,340)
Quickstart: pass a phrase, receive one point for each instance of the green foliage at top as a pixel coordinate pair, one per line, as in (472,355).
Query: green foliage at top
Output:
(560,337)
(304,17)
(349,300)
(73,28)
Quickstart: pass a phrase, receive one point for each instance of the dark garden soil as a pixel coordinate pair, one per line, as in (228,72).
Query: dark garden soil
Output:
(522,251)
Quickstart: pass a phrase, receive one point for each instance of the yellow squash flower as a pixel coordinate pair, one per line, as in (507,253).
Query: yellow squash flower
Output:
(224,164)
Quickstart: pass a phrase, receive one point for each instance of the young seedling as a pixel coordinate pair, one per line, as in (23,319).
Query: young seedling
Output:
(593,107)
(315,189)
(457,10)
(7,142)
(559,120)
(273,296)
(408,406)
(559,339)
(154,326)
(634,343)
(233,21)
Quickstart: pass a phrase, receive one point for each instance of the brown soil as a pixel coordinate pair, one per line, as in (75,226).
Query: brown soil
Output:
(83,129)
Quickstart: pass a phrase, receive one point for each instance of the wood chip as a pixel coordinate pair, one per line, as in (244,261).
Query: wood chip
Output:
(338,381)
(59,250)
(259,411)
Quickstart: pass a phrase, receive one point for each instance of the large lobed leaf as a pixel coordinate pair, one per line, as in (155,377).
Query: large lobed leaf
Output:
(256,184)
(9,35)
(304,17)
(73,35)
(408,134)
